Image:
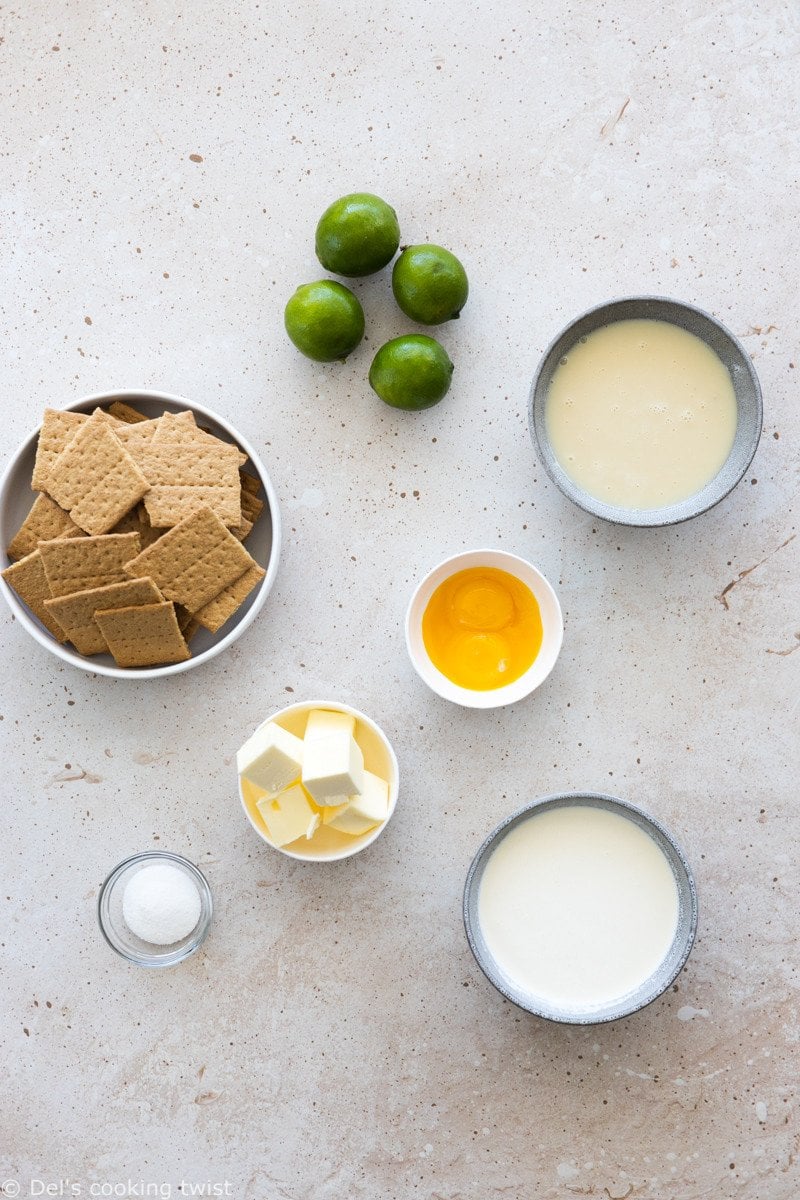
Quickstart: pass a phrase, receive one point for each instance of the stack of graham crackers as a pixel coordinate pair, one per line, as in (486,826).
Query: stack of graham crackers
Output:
(134,540)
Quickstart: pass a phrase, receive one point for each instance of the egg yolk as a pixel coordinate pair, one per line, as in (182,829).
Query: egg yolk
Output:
(482,628)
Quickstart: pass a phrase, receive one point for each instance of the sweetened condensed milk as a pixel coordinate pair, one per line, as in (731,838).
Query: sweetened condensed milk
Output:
(641,414)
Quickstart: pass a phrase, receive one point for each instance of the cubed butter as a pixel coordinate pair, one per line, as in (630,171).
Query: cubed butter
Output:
(288,816)
(323,721)
(272,759)
(362,812)
(332,810)
(333,768)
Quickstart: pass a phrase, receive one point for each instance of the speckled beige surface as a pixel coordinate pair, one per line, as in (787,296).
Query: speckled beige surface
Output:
(161,172)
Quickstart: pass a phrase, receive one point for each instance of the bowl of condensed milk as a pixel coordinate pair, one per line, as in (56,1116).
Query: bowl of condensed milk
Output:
(646,411)
(580,908)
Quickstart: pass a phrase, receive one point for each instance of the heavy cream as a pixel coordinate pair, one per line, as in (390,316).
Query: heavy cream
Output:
(641,414)
(578,906)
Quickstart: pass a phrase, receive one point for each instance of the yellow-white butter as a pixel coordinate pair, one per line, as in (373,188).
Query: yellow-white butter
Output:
(322,722)
(331,810)
(272,759)
(289,816)
(333,768)
(361,812)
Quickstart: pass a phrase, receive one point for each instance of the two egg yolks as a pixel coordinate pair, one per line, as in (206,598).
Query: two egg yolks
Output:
(482,628)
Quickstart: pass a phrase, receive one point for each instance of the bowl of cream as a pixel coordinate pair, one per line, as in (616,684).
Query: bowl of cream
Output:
(646,411)
(580,908)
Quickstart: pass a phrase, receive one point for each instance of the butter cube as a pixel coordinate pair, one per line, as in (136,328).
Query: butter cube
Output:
(362,812)
(333,768)
(272,759)
(322,721)
(288,816)
(332,810)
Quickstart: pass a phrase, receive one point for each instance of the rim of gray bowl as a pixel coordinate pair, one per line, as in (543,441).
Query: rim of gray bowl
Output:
(670,967)
(45,639)
(727,347)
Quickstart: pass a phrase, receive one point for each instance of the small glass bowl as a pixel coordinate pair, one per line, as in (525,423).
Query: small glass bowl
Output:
(116,932)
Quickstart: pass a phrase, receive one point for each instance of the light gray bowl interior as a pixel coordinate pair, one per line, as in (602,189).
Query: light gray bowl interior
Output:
(658,982)
(725,346)
(18,498)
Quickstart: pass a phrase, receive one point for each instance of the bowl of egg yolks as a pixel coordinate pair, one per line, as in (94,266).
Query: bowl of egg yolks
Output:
(484,629)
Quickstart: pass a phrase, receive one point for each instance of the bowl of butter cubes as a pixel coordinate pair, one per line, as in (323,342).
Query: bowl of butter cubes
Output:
(318,781)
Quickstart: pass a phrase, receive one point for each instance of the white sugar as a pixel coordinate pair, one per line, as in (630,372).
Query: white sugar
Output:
(161,904)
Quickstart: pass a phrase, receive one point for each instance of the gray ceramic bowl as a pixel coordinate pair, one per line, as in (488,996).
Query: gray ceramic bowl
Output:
(725,346)
(652,987)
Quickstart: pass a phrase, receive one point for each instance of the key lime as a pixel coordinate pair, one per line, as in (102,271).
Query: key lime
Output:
(357,235)
(411,372)
(429,284)
(324,320)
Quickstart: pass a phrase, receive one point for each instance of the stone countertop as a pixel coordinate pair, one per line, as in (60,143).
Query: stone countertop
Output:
(162,171)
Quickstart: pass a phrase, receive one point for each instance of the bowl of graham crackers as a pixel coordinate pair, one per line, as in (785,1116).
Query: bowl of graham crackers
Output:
(140,534)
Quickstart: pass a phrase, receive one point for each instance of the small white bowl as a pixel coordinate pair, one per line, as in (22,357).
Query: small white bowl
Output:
(552,629)
(16,498)
(329,845)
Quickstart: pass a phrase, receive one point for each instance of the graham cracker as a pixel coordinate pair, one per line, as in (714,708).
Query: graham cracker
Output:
(103,415)
(136,437)
(126,412)
(137,521)
(76,564)
(186,622)
(251,511)
(193,562)
(249,483)
(95,478)
(242,530)
(29,581)
(252,507)
(145,636)
(174,428)
(75,613)
(46,520)
(186,476)
(173,425)
(212,616)
(57,428)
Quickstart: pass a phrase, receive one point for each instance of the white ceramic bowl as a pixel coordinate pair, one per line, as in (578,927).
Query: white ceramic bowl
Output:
(329,845)
(263,543)
(552,627)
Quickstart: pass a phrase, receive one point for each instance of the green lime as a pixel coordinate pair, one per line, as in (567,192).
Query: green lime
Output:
(411,372)
(357,235)
(429,284)
(324,320)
